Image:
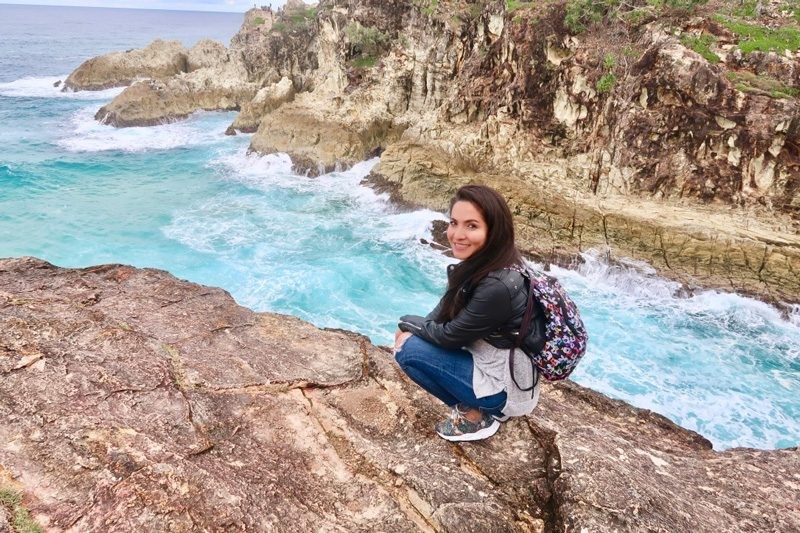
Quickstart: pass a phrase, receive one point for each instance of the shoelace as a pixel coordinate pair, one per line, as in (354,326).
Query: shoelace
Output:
(458,414)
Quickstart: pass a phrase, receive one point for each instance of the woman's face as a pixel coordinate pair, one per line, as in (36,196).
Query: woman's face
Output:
(467,230)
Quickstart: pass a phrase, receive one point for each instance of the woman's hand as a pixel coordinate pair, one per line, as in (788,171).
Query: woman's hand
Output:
(400,338)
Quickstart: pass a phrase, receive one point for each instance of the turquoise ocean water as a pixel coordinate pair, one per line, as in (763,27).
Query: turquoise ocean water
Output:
(186,198)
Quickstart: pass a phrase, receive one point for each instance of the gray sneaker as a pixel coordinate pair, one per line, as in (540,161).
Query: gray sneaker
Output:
(457,428)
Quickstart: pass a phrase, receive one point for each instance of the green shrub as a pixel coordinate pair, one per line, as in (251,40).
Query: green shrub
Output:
(630,52)
(609,61)
(702,45)
(637,17)
(430,8)
(279,27)
(686,6)
(258,21)
(605,83)
(793,9)
(474,10)
(301,17)
(365,41)
(364,62)
(580,14)
(760,38)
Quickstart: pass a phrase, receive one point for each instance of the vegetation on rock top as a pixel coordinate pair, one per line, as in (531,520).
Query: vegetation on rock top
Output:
(22,522)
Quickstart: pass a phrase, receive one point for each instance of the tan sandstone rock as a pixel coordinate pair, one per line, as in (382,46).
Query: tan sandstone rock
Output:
(158,60)
(207,53)
(266,100)
(223,86)
(318,139)
(134,401)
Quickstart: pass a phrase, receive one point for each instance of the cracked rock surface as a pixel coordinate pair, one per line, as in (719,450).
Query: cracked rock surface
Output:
(134,401)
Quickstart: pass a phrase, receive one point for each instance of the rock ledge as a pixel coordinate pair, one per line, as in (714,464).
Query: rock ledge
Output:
(134,401)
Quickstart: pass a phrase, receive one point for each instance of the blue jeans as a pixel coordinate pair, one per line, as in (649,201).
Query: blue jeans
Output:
(446,373)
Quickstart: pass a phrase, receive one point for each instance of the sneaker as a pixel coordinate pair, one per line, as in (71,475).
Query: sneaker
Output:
(457,428)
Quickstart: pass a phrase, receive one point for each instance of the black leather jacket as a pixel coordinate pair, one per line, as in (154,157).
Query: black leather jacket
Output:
(493,312)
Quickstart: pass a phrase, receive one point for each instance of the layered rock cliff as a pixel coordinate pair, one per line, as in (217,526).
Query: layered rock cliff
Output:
(666,132)
(134,401)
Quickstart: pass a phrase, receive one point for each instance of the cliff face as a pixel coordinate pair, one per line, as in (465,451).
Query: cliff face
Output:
(657,134)
(134,401)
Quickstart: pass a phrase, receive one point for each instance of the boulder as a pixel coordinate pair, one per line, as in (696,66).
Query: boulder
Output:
(207,53)
(318,138)
(158,60)
(134,401)
(267,99)
(147,103)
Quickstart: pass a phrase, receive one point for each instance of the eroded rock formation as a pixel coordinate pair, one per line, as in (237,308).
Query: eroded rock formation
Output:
(215,79)
(159,60)
(134,401)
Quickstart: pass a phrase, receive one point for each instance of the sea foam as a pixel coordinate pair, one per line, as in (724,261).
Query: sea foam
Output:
(43,87)
(719,363)
(88,135)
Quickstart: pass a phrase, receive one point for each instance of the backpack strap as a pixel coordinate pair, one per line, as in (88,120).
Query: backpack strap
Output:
(523,331)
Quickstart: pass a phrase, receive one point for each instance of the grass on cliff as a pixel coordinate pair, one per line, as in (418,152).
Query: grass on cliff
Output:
(581,14)
(747,9)
(429,7)
(294,19)
(702,45)
(753,37)
(792,7)
(364,62)
(366,44)
(514,5)
(747,82)
(301,17)
(21,519)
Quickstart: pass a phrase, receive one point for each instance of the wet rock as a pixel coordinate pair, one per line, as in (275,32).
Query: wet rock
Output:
(132,400)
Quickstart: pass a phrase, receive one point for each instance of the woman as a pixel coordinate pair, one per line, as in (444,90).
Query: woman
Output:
(459,352)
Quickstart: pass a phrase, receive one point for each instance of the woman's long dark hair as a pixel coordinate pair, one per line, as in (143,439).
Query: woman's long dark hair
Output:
(499,250)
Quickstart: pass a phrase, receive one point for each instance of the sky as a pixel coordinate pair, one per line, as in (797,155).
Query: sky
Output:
(234,6)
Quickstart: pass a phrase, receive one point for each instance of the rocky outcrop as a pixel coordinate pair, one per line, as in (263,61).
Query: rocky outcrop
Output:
(207,53)
(217,81)
(159,60)
(131,400)
(318,138)
(265,101)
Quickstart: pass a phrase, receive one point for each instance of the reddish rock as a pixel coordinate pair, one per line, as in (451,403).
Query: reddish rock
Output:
(134,401)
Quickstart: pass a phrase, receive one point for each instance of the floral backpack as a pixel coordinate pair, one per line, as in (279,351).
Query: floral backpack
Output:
(555,338)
